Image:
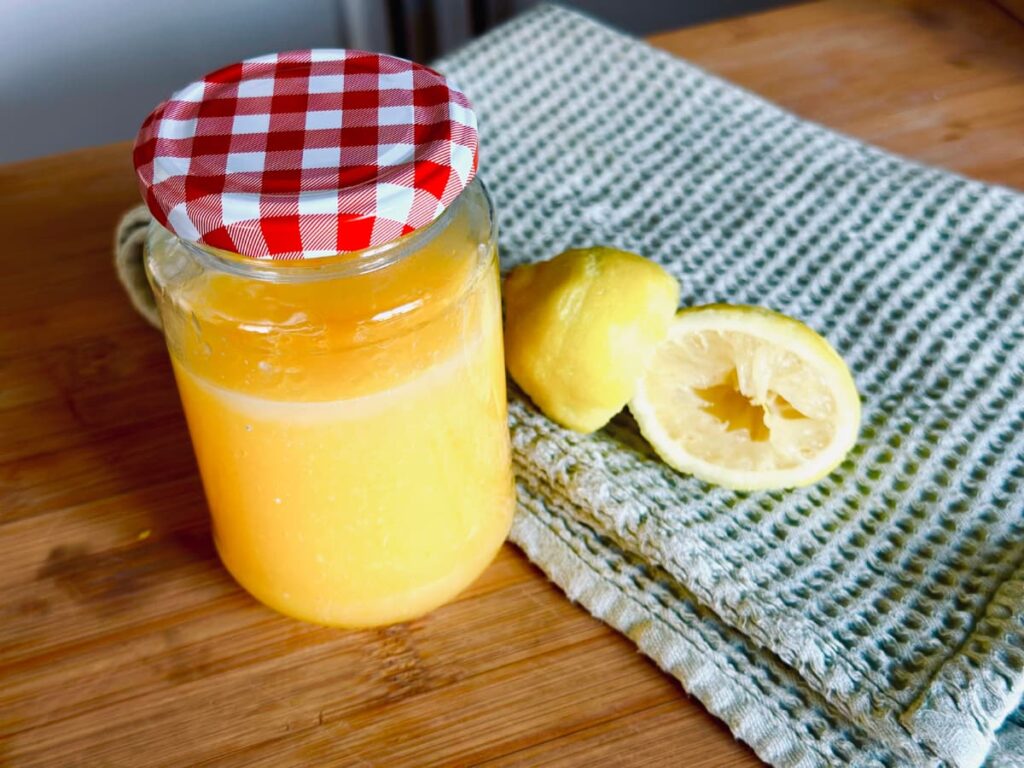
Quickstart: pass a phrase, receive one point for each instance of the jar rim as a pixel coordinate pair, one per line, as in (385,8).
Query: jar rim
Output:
(343,264)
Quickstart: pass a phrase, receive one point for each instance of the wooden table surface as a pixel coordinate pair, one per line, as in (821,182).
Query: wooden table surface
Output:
(122,640)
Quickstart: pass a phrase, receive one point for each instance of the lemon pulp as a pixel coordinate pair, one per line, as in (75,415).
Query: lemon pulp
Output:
(747,398)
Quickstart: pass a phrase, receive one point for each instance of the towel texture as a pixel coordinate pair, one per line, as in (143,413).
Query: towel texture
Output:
(876,618)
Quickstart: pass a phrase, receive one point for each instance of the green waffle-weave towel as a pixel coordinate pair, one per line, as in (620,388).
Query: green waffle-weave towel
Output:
(877,618)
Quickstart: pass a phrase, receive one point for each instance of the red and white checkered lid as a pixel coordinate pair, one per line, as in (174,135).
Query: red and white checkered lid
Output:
(307,153)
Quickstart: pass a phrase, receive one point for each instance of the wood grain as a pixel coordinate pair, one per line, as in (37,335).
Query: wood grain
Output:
(1014,7)
(123,642)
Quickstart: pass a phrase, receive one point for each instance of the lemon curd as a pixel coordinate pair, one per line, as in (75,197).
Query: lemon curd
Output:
(348,415)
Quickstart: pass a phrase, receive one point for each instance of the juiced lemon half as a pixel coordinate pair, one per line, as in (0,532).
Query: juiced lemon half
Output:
(580,327)
(747,398)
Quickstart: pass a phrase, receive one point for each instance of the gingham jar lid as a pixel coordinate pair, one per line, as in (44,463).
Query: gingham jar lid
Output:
(307,153)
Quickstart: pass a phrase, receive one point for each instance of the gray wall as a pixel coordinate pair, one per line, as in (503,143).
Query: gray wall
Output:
(80,72)
(75,73)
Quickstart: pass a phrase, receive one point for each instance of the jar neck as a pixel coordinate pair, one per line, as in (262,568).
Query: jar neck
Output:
(341,265)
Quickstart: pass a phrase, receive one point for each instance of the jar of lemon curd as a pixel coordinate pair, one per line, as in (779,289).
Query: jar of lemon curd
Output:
(324,261)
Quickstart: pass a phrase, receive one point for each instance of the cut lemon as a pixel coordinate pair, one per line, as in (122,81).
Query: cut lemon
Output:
(579,328)
(747,398)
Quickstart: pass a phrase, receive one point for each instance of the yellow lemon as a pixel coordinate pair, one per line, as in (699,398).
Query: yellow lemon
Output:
(747,398)
(580,327)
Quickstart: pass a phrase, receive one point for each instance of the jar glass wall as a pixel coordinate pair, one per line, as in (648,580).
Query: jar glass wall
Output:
(348,414)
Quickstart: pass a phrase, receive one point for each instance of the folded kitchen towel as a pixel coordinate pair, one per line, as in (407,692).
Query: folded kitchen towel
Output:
(876,618)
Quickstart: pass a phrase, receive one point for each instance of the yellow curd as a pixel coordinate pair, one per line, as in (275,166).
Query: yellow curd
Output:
(348,415)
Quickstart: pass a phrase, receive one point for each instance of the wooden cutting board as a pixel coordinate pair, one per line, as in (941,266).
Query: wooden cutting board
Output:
(122,640)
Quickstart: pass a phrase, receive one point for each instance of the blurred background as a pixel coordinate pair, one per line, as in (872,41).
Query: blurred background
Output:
(83,72)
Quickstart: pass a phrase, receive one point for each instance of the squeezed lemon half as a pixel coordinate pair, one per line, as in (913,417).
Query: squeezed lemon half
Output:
(747,398)
(580,327)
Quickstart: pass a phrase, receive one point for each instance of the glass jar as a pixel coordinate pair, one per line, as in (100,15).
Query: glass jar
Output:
(348,414)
